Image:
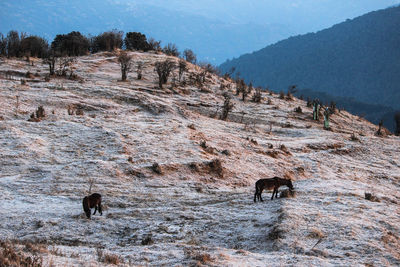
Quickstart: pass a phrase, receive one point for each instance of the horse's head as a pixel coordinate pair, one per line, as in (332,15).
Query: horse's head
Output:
(290,185)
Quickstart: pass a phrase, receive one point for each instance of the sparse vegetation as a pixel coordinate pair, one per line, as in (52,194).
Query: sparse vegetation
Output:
(125,60)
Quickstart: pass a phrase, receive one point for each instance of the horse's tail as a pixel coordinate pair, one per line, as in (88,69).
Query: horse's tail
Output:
(85,204)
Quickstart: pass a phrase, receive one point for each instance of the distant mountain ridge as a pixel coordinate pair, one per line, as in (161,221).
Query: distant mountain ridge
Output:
(358,59)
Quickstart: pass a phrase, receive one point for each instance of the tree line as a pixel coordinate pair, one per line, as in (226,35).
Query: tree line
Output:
(16,44)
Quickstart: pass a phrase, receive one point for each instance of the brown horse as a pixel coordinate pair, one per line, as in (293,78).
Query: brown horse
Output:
(92,201)
(271,183)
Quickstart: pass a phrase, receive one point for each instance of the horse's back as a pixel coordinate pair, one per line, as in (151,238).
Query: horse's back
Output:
(266,183)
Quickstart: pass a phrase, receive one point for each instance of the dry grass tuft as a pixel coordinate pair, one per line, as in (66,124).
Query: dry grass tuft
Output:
(371,197)
(201,257)
(156,168)
(316,233)
(216,167)
(287,194)
(11,256)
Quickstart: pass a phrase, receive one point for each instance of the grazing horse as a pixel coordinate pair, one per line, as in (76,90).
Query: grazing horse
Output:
(92,201)
(271,183)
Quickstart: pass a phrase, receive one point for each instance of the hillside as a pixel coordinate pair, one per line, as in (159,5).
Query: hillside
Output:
(198,207)
(355,59)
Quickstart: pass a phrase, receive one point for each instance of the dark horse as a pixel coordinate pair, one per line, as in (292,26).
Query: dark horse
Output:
(271,183)
(92,201)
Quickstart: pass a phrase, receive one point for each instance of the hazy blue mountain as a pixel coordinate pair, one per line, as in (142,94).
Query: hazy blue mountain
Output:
(357,59)
(215,30)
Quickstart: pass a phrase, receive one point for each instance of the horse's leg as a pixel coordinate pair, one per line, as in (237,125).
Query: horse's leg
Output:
(259,195)
(273,192)
(95,209)
(100,210)
(276,193)
(255,196)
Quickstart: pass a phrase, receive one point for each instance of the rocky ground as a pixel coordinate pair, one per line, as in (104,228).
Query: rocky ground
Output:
(195,205)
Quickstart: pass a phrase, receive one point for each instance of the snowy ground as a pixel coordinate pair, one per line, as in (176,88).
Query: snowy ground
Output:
(189,214)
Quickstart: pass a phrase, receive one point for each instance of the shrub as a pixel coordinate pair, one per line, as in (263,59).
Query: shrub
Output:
(190,56)
(171,50)
(216,166)
(257,95)
(125,60)
(34,46)
(227,107)
(136,41)
(156,168)
(298,110)
(38,115)
(107,41)
(71,44)
(281,95)
(154,45)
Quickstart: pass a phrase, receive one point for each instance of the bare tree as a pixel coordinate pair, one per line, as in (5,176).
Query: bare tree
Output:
(50,60)
(125,60)
(163,69)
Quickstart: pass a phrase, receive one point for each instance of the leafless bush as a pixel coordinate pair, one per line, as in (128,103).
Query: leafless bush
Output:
(257,95)
(125,60)
(164,69)
(281,95)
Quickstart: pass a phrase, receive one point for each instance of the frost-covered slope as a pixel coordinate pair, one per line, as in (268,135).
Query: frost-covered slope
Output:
(190,213)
